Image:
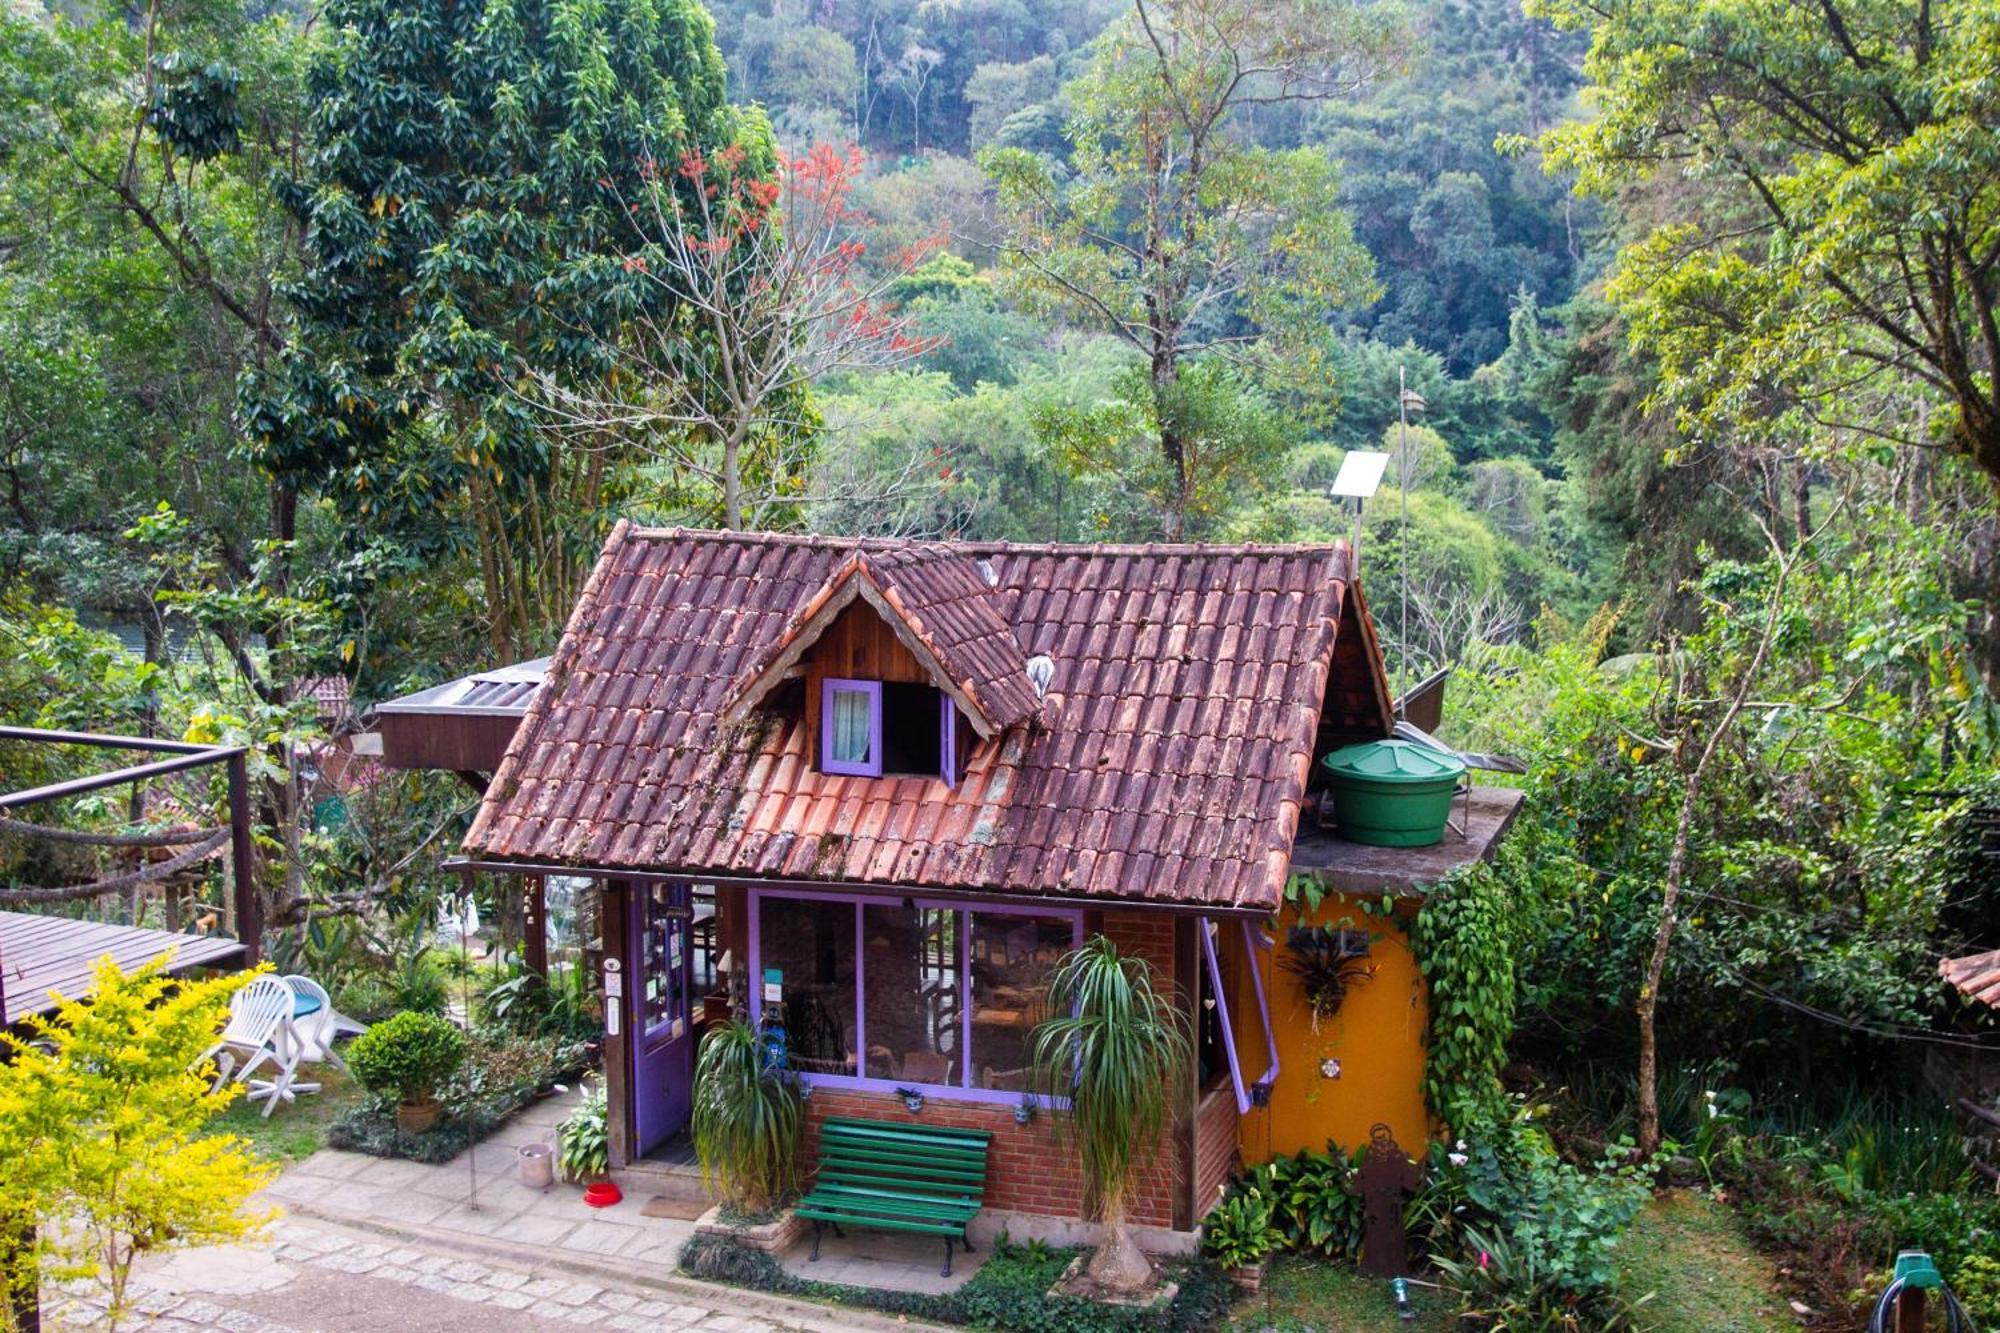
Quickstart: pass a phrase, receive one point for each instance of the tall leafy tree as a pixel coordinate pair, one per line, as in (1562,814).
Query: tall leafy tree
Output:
(1834,273)
(1860,237)
(1170,231)
(467,207)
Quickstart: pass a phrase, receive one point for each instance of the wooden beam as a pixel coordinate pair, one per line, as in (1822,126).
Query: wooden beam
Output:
(1187,1129)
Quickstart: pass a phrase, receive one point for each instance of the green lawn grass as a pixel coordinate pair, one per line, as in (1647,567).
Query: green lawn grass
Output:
(296,1129)
(1685,1247)
(1705,1275)
(1304,1295)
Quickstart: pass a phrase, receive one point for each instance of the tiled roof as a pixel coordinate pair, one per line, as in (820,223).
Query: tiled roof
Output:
(1166,762)
(1977,976)
(941,605)
(329,695)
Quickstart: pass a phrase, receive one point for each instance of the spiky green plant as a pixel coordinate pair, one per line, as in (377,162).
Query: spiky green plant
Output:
(1118,1051)
(746,1120)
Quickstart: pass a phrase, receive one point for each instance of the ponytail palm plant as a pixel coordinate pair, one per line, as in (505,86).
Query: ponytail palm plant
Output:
(1119,1052)
(746,1120)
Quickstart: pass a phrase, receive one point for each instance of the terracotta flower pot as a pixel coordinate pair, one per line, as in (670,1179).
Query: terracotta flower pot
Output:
(418,1117)
(602,1194)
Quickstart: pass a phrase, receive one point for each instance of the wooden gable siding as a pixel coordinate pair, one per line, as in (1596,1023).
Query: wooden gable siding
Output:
(858,645)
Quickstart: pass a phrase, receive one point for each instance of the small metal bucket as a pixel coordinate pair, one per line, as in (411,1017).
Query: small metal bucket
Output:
(538,1165)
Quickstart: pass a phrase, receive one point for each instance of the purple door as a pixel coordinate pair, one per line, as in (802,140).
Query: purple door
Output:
(662,1017)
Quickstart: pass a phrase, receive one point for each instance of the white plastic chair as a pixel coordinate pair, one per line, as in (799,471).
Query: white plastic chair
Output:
(255,1014)
(316,1031)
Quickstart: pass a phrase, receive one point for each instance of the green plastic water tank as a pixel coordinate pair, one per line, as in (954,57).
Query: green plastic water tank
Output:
(1393,793)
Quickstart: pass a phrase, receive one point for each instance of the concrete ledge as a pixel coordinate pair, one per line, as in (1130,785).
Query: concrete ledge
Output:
(1066,1231)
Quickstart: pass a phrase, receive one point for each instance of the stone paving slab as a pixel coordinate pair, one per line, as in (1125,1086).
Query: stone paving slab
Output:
(307,1277)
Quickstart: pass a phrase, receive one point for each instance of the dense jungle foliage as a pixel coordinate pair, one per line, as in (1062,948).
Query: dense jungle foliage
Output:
(334,338)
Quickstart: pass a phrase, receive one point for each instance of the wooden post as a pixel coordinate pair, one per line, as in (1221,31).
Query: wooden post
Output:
(534,924)
(1910,1310)
(243,863)
(1187,987)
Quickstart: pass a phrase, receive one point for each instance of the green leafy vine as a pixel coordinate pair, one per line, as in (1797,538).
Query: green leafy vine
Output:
(1463,939)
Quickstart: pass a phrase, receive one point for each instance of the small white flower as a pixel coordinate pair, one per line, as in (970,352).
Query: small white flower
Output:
(1709,1097)
(1712,1113)
(1457,1158)
(1460,1145)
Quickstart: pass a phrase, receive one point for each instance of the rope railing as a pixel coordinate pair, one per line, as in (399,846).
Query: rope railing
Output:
(148,874)
(94,838)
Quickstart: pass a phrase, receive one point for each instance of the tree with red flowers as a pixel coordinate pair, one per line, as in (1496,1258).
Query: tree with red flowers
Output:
(773,288)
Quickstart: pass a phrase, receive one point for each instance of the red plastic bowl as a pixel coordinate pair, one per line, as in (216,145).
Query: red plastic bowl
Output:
(602,1194)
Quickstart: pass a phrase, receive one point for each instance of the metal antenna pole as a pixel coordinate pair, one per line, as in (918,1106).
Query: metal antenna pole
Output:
(1403,503)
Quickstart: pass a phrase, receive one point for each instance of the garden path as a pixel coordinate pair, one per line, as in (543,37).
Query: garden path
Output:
(364,1244)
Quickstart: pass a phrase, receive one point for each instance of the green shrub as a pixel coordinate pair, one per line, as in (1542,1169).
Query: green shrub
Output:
(367,997)
(1976,1283)
(502,1075)
(563,1004)
(1525,1236)
(410,1055)
(1504,1285)
(496,1080)
(1314,1206)
(583,1151)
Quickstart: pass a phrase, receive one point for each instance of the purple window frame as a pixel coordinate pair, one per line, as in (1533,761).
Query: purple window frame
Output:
(872,766)
(947,739)
(1245,1097)
(942,1092)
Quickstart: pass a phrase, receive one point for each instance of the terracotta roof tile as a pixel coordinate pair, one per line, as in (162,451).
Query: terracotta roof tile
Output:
(1977,976)
(1166,762)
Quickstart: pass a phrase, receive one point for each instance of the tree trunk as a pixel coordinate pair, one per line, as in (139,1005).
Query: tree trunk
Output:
(1647,1009)
(1119,1265)
(1173,447)
(732,480)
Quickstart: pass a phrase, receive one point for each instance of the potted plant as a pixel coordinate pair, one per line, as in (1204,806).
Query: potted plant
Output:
(408,1056)
(1328,961)
(1115,1050)
(584,1149)
(747,1116)
(1240,1234)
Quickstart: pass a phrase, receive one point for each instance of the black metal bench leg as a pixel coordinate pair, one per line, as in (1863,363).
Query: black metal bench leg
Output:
(947,1256)
(966,1240)
(837,1231)
(815,1254)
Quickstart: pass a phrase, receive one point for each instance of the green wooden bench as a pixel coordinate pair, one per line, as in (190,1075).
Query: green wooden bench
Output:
(897,1178)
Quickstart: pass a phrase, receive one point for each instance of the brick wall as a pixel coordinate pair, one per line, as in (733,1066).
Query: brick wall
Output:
(1030,1170)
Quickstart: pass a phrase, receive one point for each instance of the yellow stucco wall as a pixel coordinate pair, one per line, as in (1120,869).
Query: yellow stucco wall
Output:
(1378,1037)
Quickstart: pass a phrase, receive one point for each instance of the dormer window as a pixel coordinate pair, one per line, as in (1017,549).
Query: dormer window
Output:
(850,729)
(869,728)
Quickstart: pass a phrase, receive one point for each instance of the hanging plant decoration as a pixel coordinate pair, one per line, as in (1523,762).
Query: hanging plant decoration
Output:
(1327,960)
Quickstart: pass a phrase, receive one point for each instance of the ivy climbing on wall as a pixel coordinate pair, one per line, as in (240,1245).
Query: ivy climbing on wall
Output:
(1463,939)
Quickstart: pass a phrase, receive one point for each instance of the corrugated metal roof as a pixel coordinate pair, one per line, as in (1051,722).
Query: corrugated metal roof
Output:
(1166,762)
(501,690)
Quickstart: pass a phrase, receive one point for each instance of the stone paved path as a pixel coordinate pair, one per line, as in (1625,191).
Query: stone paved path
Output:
(307,1277)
